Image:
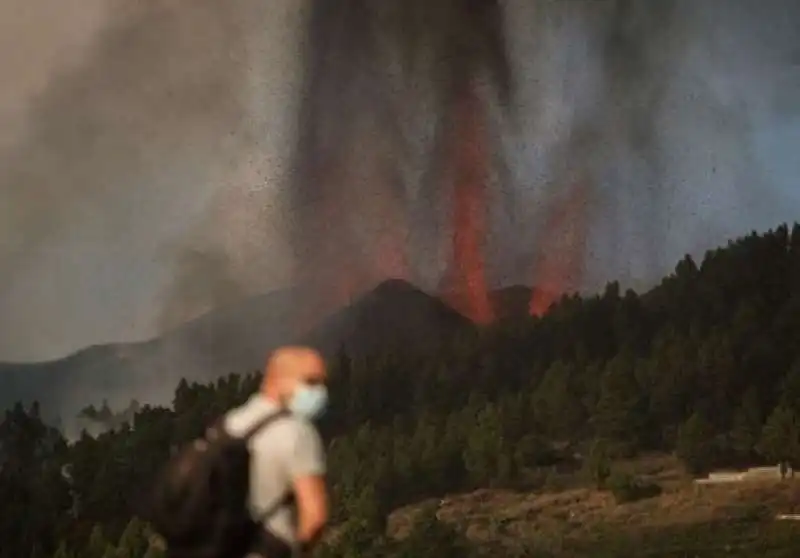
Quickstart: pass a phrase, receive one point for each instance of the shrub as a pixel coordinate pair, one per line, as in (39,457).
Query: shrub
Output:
(627,488)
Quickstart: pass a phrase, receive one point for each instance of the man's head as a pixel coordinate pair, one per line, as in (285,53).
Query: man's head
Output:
(295,379)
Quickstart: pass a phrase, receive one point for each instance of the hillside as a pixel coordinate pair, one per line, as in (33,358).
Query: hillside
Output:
(394,314)
(216,343)
(511,302)
(507,303)
(513,427)
(566,516)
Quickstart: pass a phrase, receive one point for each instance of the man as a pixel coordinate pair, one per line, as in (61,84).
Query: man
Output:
(287,456)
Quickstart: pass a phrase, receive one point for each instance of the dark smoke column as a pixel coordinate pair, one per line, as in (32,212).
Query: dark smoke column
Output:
(366,64)
(348,208)
(561,248)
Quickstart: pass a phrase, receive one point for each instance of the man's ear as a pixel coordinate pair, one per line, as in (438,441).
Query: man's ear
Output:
(286,388)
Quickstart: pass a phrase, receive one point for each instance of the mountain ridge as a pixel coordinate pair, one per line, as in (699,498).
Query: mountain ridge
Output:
(229,339)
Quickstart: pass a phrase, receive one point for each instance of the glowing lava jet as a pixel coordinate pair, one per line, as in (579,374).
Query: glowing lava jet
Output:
(476,49)
(465,282)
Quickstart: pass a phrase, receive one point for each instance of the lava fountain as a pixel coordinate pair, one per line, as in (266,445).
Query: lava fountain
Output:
(465,285)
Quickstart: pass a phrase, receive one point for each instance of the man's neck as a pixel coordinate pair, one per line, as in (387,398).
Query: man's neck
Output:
(266,399)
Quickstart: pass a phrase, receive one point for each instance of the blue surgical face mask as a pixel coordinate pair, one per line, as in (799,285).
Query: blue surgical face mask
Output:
(309,401)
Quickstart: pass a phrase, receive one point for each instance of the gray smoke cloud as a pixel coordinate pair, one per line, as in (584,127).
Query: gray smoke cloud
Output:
(673,97)
(162,138)
(147,178)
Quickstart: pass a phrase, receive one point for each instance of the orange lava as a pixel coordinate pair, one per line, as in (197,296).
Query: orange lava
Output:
(562,250)
(466,282)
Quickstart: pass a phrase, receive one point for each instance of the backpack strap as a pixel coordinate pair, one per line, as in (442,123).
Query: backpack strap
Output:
(264,422)
(217,429)
(286,498)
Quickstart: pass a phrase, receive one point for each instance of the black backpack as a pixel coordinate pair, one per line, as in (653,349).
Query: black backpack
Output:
(199,502)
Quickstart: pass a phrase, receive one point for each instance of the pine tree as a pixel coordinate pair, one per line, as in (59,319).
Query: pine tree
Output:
(133,540)
(794,255)
(598,464)
(426,443)
(529,452)
(557,404)
(695,444)
(62,551)
(780,438)
(790,392)
(487,455)
(620,415)
(97,545)
(747,422)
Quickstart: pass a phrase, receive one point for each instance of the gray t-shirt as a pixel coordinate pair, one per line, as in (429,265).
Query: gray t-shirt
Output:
(283,451)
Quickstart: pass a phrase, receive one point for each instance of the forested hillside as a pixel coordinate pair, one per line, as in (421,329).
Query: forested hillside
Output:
(706,365)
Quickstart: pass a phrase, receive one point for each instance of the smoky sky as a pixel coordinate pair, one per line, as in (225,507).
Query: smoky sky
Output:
(147,150)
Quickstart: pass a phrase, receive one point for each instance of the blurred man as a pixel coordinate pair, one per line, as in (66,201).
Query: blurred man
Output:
(254,484)
(288,493)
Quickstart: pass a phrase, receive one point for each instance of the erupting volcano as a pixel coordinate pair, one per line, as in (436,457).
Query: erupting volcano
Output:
(360,203)
(404,168)
(352,175)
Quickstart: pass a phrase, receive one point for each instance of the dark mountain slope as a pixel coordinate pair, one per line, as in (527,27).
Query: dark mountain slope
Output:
(232,339)
(511,302)
(395,315)
(508,303)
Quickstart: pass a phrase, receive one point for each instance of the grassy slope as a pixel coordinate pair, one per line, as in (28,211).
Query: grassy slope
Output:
(685,520)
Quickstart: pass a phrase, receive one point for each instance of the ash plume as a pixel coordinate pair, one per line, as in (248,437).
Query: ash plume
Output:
(126,157)
(657,105)
(202,282)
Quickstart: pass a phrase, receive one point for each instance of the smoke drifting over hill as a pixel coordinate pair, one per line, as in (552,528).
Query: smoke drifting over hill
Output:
(153,173)
(153,147)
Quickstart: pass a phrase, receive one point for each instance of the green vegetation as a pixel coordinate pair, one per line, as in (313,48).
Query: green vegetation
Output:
(712,540)
(706,365)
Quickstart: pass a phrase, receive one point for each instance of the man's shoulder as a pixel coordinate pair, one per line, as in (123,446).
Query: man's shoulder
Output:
(286,439)
(287,427)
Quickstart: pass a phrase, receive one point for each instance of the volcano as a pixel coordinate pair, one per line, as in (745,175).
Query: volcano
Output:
(395,316)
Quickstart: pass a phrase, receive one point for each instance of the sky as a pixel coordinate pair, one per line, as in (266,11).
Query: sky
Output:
(146,148)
